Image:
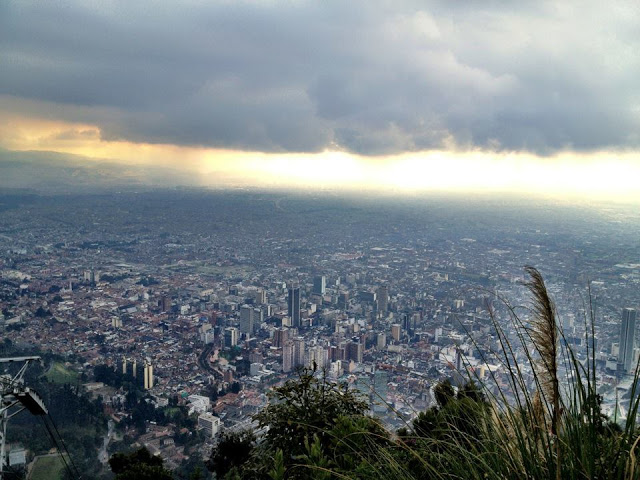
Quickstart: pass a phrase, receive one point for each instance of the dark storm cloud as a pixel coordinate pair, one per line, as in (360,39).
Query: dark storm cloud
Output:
(369,77)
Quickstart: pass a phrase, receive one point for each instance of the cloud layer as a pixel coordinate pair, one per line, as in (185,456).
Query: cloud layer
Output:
(361,76)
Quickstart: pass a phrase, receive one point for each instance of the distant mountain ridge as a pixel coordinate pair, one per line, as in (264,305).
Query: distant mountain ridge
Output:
(54,172)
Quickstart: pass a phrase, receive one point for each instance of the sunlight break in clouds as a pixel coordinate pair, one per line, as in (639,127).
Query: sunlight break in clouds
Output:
(598,175)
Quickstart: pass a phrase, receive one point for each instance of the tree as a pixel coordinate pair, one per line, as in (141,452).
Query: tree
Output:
(41,312)
(458,416)
(304,407)
(310,425)
(233,450)
(472,391)
(443,392)
(139,465)
(426,422)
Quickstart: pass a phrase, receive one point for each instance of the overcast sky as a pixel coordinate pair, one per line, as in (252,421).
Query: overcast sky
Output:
(362,77)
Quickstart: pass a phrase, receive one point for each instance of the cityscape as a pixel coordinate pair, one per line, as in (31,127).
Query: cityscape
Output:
(298,240)
(210,299)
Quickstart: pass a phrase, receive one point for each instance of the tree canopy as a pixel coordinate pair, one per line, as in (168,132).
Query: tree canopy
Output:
(139,465)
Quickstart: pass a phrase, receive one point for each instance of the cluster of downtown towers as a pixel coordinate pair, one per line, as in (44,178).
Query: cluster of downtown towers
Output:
(626,346)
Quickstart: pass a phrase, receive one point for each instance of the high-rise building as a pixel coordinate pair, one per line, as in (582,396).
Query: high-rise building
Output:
(409,322)
(380,388)
(627,339)
(165,304)
(209,336)
(280,337)
(142,372)
(91,276)
(319,356)
(382,296)
(299,352)
(230,337)
(354,352)
(246,320)
(459,362)
(287,357)
(396,331)
(293,303)
(338,352)
(319,285)
(260,297)
(333,353)
(437,335)
(258,318)
(148,375)
(343,300)
(367,296)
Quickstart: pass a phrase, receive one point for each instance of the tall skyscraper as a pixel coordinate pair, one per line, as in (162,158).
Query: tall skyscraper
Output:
(382,295)
(627,339)
(293,302)
(354,352)
(246,320)
(319,285)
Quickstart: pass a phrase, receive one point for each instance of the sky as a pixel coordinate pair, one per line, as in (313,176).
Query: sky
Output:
(523,96)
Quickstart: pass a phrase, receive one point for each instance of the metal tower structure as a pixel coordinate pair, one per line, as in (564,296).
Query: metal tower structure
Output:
(15,398)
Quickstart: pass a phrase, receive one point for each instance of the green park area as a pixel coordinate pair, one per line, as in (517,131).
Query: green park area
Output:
(47,468)
(59,373)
